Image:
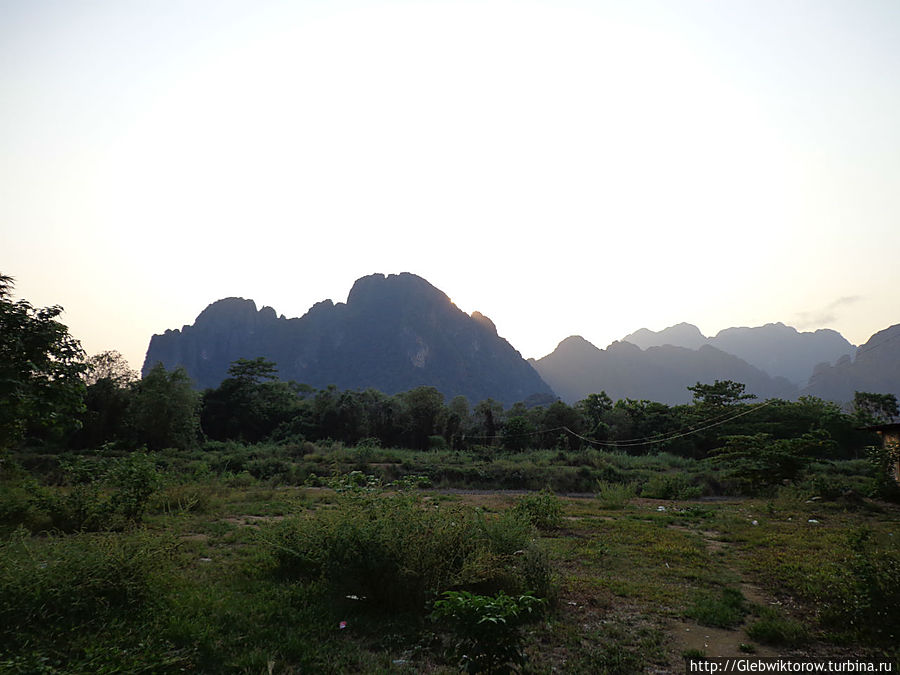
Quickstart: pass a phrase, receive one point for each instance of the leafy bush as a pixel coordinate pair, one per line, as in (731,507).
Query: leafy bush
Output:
(487,628)
(760,461)
(543,510)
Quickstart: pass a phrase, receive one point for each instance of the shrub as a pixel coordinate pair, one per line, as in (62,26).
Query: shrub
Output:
(62,584)
(725,610)
(865,593)
(110,496)
(670,486)
(487,628)
(773,629)
(397,551)
(543,510)
(614,495)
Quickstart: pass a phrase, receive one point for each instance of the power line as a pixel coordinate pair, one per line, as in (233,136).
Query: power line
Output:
(651,440)
(646,440)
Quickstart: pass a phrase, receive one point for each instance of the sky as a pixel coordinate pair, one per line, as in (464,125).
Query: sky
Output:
(563,167)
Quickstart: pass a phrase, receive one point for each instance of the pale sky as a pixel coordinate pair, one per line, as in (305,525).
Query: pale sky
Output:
(563,167)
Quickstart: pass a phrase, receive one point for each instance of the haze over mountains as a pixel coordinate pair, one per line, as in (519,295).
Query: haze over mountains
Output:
(577,368)
(398,332)
(779,350)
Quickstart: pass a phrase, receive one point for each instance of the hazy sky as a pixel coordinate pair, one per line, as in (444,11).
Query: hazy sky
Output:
(563,167)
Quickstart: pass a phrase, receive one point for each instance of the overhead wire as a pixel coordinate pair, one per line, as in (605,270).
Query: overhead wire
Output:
(646,440)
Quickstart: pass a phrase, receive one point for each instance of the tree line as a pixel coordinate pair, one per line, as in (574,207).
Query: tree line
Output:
(252,405)
(51,393)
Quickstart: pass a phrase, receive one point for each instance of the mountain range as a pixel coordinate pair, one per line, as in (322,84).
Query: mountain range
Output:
(779,350)
(394,333)
(398,332)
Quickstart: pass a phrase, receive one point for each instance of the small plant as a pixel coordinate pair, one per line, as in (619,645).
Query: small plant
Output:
(670,486)
(355,482)
(543,510)
(487,628)
(614,495)
(774,629)
(726,610)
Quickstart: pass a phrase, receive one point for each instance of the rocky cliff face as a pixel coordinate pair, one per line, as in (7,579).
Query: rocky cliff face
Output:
(577,368)
(394,333)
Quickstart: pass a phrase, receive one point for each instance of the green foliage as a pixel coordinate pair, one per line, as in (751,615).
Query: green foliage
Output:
(864,596)
(772,628)
(397,551)
(719,394)
(759,461)
(883,460)
(873,409)
(614,495)
(40,369)
(670,486)
(108,495)
(250,404)
(543,510)
(60,584)
(488,629)
(425,407)
(164,410)
(517,433)
(724,610)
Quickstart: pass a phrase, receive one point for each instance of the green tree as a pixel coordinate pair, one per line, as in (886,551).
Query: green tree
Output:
(253,370)
(424,408)
(720,394)
(487,414)
(250,404)
(457,421)
(759,460)
(872,409)
(40,369)
(518,433)
(164,411)
(109,365)
(109,385)
(560,415)
(594,408)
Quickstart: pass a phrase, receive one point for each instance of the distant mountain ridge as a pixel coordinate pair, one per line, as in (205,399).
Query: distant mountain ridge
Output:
(394,333)
(577,368)
(398,332)
(875,368)
(779,350)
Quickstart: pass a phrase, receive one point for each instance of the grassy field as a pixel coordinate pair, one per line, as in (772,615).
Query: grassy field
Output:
(237,575)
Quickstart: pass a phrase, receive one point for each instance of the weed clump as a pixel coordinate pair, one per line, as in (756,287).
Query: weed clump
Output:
(398,551)
(487,628)
(62,585)
(725,610)
(543,510)
(614,495)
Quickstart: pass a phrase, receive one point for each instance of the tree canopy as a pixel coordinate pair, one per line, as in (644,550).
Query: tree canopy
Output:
(40,369)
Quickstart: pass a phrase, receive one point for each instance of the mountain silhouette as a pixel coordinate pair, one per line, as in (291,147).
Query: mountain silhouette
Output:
(875,369)
(394,333)
(779,350)
(577,368)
